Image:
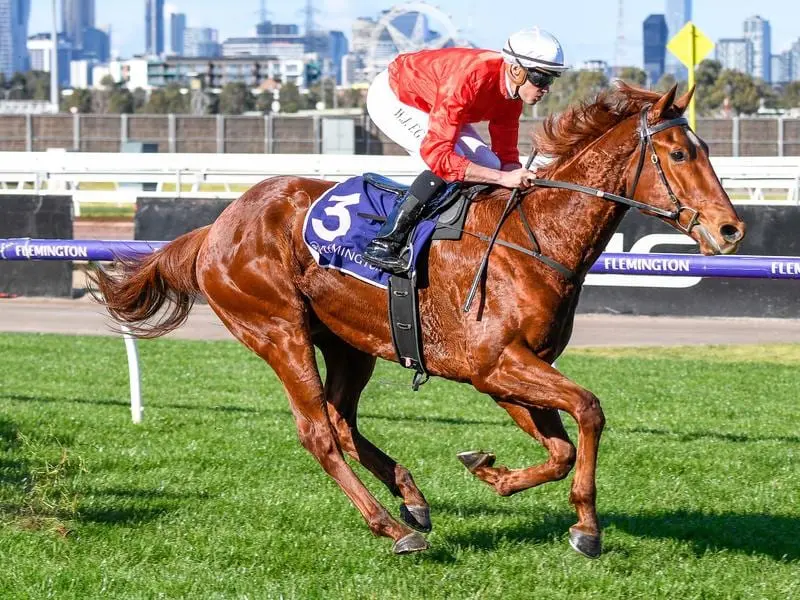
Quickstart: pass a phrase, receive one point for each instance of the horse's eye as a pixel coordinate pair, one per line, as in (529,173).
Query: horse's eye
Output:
(678,155)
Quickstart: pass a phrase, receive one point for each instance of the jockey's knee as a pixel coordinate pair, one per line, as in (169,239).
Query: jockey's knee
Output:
(427,186)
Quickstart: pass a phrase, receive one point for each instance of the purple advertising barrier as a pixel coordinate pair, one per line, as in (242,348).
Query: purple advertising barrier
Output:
(681,265)
(749,267)
(100,250)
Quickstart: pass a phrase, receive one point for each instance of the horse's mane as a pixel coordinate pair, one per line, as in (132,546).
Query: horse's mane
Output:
(564,135)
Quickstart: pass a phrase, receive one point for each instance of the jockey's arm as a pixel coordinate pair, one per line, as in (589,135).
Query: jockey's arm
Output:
(513,178)
(504,133)
(438,150)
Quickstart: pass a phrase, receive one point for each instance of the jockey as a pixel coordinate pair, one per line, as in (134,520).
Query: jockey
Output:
(426,101)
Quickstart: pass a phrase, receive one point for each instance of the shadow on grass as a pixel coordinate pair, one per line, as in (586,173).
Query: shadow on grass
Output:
(148,494)
(691,436)
(121,516)
(261,411)
(13,471)
(122,403)
(775,536)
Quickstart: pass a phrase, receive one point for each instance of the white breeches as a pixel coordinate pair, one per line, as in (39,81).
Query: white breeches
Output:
(406,125)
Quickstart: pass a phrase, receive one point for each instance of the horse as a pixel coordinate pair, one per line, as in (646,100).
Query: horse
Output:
(257,275)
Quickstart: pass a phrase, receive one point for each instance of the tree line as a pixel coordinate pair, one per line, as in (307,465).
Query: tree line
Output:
(232,99)
(744,94)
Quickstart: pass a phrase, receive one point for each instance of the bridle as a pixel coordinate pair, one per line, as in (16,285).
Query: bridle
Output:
(646,134)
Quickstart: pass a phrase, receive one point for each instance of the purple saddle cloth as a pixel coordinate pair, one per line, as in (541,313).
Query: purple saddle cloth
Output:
(341,223)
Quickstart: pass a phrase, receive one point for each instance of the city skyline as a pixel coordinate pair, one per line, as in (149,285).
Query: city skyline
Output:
(592,38)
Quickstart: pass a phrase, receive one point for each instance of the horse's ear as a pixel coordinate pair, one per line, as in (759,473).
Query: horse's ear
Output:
(665,103)
(683,102)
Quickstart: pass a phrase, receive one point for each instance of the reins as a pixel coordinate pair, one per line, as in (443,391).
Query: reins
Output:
(646,134)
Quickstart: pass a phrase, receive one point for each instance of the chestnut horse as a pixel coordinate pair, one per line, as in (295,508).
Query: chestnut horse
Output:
(256,273)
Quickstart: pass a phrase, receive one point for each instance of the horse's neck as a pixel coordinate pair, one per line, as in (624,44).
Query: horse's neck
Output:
(574,227)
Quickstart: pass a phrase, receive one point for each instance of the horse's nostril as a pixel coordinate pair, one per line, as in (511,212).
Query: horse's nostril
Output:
(730,233)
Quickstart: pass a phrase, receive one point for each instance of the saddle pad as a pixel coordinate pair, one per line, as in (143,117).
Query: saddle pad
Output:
(340,224)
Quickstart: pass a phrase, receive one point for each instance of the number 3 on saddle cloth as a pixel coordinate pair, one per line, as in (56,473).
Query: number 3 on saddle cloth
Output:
(340,224)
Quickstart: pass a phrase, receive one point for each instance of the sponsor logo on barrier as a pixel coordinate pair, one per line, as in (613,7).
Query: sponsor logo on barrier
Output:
(785,268)
(644,246)
(3,248)
(31,251)
(654,265)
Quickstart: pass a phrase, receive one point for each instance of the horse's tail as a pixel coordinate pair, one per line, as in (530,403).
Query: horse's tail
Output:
(144,285)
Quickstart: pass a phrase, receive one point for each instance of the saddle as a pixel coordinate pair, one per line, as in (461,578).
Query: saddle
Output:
(450,212)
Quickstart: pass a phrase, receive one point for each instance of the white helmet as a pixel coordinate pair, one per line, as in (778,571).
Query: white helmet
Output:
(535,49)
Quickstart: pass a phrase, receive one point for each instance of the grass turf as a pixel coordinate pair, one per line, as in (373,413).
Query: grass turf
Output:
(213,497)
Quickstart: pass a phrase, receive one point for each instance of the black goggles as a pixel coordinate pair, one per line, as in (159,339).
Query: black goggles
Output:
(539,79)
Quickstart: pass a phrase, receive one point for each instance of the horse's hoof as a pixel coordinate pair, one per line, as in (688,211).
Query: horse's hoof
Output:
(584,543)
(413,542)
(474,460)
(418,517)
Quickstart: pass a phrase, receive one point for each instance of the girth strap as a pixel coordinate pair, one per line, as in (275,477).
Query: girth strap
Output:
(405,326)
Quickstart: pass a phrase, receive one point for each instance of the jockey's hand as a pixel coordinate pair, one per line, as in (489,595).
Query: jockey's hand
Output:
(518,178)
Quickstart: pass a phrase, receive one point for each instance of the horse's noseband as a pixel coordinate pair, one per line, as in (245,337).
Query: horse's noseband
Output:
(646,134)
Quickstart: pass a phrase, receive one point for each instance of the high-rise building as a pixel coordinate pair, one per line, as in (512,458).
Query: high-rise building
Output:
(795,54)
(735,54)
(154,26)
(677,14)
(40,49)
(362,31)
(276,29)
(202,42)
(758,31)
(338,49)
(76,15)
(96,45)
(14,36)
(177,32)
(654,34)
(781,68)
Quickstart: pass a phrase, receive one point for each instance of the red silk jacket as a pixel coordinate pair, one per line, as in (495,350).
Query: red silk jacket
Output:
(457,86)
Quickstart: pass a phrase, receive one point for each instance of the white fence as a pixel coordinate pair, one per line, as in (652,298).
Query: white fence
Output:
(120,178)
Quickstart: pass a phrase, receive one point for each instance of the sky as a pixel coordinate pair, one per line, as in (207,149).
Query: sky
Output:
(587,29)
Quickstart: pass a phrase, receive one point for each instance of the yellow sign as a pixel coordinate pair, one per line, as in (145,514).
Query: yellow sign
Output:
(690,46)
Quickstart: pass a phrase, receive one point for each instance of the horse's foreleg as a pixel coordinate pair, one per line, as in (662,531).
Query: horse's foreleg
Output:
(279,333)
(348,371)
(543,424)
(520,377)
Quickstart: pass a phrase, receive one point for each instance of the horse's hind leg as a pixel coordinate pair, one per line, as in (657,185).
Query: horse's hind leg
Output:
(278,331)
(543,424)
(348,371)
(520,377)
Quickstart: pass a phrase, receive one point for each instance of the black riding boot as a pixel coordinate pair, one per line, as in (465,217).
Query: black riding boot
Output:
(385,250)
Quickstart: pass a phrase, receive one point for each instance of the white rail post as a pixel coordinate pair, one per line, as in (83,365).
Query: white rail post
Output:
(220,134)
(267,122)
(171,135)
(76,132)
(134,375)
(28,132)
(123,129)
